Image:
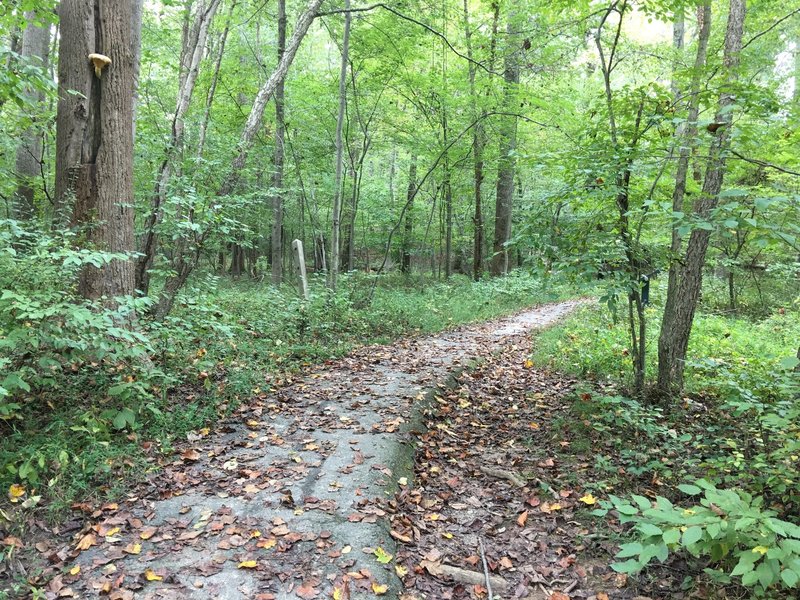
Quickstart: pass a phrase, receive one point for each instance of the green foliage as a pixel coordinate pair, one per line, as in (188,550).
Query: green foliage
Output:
(730,527)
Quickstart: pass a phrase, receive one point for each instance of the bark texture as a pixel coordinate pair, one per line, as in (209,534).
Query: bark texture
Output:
(94,169)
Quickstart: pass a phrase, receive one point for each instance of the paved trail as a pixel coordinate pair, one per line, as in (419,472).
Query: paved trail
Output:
(291,493)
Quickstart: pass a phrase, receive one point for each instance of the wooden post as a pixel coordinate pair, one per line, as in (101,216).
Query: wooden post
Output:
(300,260)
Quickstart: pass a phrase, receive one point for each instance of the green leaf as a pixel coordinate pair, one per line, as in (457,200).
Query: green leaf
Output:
(789,577)
(691,490)
(649,529)
(628,550)
(672,536)
(629,566)
(790,362)
(692,535)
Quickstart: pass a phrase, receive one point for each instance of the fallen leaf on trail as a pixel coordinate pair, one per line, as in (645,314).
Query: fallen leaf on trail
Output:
(147,532)
(522,519)
(401,571)
(559,596)
(307,591)
(15,492)
(528,363)
(602,596)
(382,556)
(75,570)
(86,542)
(12,541)
(403,481)
(190,455)
(379,589)
(267,543)
(132,548)
(151,575)
(589,499)
(247,564)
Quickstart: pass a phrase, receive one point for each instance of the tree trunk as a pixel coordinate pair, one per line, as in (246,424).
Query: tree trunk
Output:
(408,226)
(478,142)
(34,51)
(506,161)
(688,141)
(94,154)
(677,324)
(276,246)
(337,192)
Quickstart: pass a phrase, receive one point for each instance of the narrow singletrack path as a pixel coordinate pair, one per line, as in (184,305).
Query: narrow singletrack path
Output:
(290,496)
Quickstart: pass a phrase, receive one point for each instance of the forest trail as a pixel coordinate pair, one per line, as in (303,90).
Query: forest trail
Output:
(291,496)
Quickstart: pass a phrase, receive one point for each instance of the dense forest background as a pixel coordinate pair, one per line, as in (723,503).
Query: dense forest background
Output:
(440,163)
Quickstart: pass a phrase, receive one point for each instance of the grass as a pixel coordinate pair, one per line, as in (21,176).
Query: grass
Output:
(592,344)
(226,341)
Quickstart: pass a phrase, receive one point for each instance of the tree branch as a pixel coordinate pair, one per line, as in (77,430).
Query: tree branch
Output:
(763,163)
(397,13)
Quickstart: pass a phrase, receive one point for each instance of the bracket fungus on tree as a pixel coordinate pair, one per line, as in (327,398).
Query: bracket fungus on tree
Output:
(100,62)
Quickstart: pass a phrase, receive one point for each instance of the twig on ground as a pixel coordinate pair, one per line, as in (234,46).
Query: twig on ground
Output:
(486,570)
(517,480)
(464,576)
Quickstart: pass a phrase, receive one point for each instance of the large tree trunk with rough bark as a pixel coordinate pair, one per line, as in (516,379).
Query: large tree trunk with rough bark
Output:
(94,154)
(34,51)
(677,323)
(506,161)
(276,249)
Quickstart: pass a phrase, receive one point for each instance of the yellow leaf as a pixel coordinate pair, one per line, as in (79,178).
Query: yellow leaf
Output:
(75,570)
(447,535)
(403,481)
(255,533)
(132,549)
(528,363)
(267,544)
(15,492)
(534,425)
(401,571)
(248,564)
(151,575)
(347,549)
(760,550)
(112,532)
(589,499)
(86,542)
(379,589)
(337,593)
